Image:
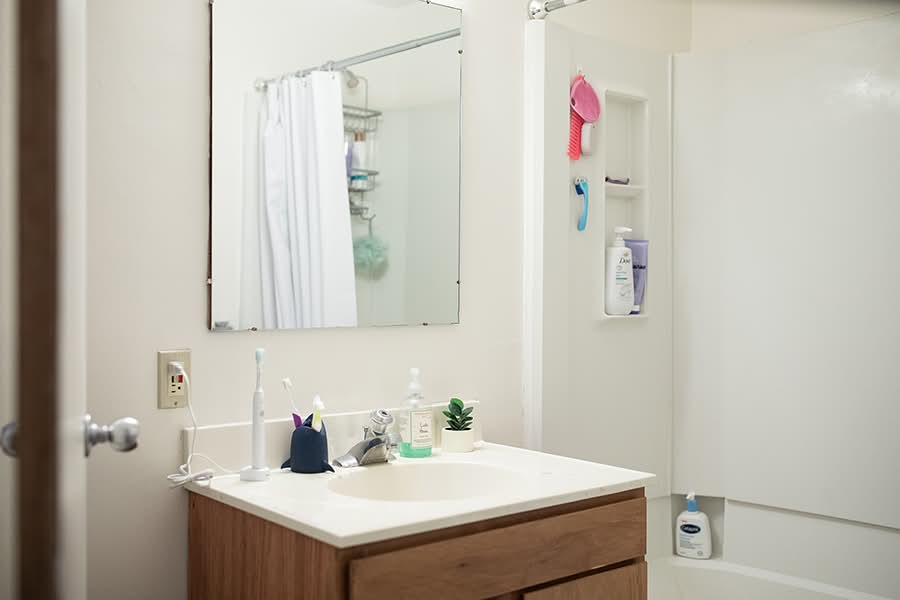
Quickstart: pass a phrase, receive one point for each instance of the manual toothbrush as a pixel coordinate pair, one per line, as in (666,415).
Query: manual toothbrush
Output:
(289,388)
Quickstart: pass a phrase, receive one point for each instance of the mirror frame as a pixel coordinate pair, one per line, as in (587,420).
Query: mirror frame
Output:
(459,202)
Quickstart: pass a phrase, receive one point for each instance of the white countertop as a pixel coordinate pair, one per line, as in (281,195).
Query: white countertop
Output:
(306,503)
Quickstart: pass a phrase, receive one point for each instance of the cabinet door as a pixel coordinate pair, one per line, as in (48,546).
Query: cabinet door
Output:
(504,559)
(624,583)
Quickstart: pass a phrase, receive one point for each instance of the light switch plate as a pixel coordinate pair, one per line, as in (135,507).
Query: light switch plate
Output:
(171,393)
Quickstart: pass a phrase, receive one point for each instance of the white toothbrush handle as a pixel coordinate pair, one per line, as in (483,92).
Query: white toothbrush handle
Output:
(258,458)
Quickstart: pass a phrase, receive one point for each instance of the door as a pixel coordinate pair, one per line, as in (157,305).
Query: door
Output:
(47,324)
(7,268)
(42,305)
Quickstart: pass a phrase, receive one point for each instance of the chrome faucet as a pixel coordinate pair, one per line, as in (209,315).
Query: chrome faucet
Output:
(376,445)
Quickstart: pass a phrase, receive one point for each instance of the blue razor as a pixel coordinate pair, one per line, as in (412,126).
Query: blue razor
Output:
(581,188)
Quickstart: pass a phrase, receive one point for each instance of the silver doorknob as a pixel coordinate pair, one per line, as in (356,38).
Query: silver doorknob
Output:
(122,435)
(8,438)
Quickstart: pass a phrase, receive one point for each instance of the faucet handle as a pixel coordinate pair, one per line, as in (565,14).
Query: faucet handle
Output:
(380,421)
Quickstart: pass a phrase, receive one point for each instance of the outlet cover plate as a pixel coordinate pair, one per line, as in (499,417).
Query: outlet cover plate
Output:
(163,358)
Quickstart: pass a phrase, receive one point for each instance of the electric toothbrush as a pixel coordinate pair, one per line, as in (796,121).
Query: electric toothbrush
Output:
(257,470)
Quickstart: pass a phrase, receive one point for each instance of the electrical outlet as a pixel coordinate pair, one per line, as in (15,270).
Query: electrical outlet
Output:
(171,389)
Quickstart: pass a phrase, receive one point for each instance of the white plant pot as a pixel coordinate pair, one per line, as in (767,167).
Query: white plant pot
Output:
(458,441)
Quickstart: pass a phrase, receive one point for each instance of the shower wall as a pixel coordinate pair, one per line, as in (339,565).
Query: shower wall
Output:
(786,330)
(416,202)
(602,386)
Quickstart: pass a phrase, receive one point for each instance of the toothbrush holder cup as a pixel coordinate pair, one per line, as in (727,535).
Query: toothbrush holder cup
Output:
(309,450)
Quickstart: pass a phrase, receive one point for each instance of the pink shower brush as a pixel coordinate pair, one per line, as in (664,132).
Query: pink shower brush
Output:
(584,108)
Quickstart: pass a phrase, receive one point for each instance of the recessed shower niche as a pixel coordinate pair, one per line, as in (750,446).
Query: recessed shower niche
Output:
(623,157)
(626,164)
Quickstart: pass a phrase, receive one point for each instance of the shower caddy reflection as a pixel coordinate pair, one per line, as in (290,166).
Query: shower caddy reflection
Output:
(359,122)
(362,119)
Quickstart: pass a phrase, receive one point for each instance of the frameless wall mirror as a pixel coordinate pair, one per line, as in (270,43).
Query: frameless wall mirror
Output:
(335,164)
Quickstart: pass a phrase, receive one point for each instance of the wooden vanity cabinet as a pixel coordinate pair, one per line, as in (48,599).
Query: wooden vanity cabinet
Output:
(627,582)
(587,550)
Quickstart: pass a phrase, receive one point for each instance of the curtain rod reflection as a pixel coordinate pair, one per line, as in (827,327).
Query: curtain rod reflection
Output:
(261,84)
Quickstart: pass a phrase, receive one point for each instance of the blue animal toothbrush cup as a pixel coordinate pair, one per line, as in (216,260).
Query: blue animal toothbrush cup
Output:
(309,449)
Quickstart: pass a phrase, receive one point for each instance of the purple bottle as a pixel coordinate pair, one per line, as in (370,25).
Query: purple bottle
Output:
(639,269)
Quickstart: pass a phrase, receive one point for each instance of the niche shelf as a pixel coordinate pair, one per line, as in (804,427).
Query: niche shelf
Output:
(624,191)
(624,156)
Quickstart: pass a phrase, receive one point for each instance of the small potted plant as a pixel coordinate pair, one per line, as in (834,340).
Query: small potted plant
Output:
(458,435)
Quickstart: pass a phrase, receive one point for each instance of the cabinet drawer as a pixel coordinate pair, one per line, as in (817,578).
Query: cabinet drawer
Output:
(497,561)
(624,583)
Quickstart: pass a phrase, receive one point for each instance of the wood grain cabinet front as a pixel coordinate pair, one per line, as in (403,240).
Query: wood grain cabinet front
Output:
(625,583)
(592,549)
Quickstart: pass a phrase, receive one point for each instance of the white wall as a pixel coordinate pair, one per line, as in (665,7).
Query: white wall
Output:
(7,289)
(785,336)
(843,553)
(653,24)
(382,299)
(148,190)
(598,403)
(433,224)
(607,387)
(721,24)
(416,205)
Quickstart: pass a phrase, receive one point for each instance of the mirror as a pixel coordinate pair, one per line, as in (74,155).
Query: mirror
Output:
(335,164)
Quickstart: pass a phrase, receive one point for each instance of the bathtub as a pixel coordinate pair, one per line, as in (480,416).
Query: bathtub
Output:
(675,578)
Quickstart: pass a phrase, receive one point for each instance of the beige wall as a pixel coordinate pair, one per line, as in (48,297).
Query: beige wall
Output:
(147,267)
(148,87)
(148,111)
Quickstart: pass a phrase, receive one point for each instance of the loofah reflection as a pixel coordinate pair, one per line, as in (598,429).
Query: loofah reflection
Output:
(370,256)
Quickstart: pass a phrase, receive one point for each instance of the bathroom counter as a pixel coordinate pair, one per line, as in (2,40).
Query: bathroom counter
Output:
(307,503)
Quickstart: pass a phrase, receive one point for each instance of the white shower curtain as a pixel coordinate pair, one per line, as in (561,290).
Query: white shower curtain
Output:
(306,273)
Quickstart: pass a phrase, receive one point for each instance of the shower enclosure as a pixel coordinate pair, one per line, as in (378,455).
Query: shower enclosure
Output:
(762,372)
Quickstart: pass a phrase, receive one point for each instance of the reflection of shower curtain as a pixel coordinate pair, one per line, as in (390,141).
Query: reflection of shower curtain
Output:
(306,272)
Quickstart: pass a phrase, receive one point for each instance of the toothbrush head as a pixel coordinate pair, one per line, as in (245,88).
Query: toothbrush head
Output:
(260,356)
(580,185)
(289,388)
(318,404)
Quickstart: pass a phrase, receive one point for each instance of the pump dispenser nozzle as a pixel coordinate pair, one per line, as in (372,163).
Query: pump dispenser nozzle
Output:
(691,502)
(414,389)
(620,231)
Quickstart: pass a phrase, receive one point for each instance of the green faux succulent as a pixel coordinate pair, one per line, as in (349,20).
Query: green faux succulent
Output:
(459,418)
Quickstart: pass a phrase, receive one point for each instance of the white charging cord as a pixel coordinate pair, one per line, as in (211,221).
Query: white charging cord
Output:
(185,474)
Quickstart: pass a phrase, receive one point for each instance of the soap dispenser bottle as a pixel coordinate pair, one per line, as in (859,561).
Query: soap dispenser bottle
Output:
(692,535)
(416,427)
(619,276)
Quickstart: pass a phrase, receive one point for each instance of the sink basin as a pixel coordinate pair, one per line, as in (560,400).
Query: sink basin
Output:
(434,482)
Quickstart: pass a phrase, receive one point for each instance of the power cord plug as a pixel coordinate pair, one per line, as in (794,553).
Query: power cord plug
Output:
(185,474)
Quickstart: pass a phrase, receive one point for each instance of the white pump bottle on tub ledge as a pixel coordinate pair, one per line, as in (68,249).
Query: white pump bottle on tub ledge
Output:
(619,276)
(692,535)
